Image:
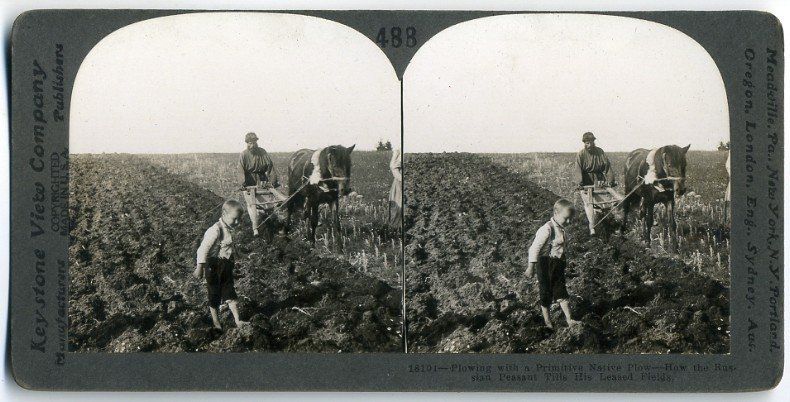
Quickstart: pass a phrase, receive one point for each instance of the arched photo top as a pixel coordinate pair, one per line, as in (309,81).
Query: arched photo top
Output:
(198,82)
(537,82)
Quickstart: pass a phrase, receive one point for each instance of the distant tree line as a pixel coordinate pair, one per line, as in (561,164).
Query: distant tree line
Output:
(384,146)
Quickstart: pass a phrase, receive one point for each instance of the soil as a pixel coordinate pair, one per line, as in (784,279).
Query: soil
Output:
(468,225)
(134,232)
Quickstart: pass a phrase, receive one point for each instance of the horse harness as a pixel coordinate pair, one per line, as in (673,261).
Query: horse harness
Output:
(651,177)
(650,160)
(315,176)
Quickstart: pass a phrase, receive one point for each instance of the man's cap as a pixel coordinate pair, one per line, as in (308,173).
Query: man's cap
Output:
(250,137)
(588,136)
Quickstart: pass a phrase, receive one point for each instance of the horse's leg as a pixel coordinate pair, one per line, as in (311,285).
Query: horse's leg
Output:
(643,218)
(313,221)
(671,224)
(336,218)
(642,208)
(626,209)
(289,208)
(640,215)
(663,218)
(268,229)
(649,216)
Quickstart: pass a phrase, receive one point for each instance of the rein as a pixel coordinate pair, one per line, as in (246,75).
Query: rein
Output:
(306,183)
(335,178)
(641,182)
(284,203)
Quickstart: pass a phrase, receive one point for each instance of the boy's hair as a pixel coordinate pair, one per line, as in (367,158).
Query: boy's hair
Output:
(232,206)
(562,204)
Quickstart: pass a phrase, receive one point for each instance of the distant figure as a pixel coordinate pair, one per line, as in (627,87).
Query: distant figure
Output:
(396,190)
(256,168)
(215,261)
(547,254)
(727,195)
(593,164)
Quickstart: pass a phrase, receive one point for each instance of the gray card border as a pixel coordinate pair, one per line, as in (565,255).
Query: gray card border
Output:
(757,180)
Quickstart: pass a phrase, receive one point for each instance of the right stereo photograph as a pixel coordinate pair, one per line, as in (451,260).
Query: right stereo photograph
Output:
(566,189)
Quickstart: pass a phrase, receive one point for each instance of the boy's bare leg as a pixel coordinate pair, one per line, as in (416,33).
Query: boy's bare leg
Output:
(234,309)
(567,311)
(215,317)
(546,317)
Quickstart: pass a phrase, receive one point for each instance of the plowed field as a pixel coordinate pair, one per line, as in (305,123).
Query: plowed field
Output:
(135,228)
(468,225)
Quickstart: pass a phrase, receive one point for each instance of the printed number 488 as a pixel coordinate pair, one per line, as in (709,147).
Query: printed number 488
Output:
(396,37)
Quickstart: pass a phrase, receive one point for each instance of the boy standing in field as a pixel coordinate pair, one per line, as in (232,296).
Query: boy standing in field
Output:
(215,262)
(547,257)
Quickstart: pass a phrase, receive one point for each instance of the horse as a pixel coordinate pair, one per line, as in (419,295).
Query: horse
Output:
(669,170)
(318,177)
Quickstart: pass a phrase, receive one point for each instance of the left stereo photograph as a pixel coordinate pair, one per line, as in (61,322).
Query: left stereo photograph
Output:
(234,186)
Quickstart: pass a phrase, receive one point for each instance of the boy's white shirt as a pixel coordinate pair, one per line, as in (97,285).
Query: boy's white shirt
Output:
(541,245)
(211,247)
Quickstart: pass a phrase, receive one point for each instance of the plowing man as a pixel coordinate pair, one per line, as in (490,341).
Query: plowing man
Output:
(593,164)
(256,174)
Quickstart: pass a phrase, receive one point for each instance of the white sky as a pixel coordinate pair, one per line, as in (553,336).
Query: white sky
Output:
(199,82)
(523,83)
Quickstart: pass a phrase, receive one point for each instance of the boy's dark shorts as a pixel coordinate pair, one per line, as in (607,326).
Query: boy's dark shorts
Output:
(551,280)
(219,281)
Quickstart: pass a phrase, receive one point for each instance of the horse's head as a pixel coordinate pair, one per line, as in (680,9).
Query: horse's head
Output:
(673,159)
(338,163)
